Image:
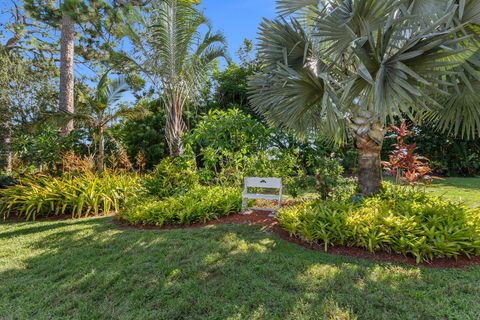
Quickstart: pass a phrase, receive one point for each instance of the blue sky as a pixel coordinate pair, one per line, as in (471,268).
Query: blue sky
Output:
(238,19)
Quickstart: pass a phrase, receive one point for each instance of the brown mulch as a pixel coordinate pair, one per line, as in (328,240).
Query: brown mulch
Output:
(261,218)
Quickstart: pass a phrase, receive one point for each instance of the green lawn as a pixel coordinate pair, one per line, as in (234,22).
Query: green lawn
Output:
(91,269)
(465,190)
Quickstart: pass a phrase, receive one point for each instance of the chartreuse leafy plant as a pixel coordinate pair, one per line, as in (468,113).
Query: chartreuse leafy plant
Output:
(198,205)
(171,177)
(349,67)
(82,195)
(396,220)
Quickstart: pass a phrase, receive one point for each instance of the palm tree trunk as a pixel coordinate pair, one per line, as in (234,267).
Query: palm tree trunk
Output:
(99,162)
(175,127)
(66,102)
(369,165)
(368,137)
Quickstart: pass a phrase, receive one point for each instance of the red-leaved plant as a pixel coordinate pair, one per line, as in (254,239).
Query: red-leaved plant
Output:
(404,164)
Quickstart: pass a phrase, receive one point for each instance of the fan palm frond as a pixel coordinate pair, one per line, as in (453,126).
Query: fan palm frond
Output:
(460,111)
(287,7)
(375,55)
(283,42)
(360,63)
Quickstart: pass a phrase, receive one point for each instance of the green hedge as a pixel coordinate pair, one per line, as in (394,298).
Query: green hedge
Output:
(397,220)
(198,205)
(83,195)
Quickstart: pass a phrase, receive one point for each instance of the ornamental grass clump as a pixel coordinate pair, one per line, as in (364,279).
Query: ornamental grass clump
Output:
(397,220)
(79,195)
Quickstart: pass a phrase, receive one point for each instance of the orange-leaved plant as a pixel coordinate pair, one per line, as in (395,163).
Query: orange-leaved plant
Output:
(404,163)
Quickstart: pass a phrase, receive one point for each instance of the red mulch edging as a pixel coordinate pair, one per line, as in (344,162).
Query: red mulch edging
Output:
(262,218)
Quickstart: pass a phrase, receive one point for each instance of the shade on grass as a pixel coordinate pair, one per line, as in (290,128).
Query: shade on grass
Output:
(92,269)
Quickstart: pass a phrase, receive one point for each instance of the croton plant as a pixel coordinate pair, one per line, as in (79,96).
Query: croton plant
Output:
(404,163)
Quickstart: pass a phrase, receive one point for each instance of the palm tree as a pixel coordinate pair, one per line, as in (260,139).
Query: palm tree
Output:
(177,57)
(98,110)
(348,67)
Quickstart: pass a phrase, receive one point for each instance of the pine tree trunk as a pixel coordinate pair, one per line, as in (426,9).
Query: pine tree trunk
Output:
(66,97)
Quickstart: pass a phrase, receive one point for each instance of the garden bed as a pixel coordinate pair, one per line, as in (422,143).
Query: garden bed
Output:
(261,218)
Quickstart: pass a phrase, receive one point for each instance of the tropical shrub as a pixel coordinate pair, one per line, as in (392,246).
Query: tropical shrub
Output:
(199,205)
(449,156)
(171,177)
(82,195)
(403,162)
(45,147)
(230,145)
(346,189)
(144,134)
(396,220)
(330,182)
(221,137)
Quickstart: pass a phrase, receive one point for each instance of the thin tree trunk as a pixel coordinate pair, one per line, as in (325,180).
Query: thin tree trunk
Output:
(7,148)
(99,163)
(66,97)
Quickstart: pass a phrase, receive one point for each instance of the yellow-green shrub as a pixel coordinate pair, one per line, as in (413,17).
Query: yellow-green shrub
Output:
(80,195)
(397,220)
(171,177)
(198,205)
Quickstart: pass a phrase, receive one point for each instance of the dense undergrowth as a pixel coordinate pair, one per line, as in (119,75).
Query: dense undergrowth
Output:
(397,220)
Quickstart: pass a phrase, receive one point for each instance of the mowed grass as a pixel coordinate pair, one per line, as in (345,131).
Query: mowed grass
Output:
(464,190)
(91,269)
